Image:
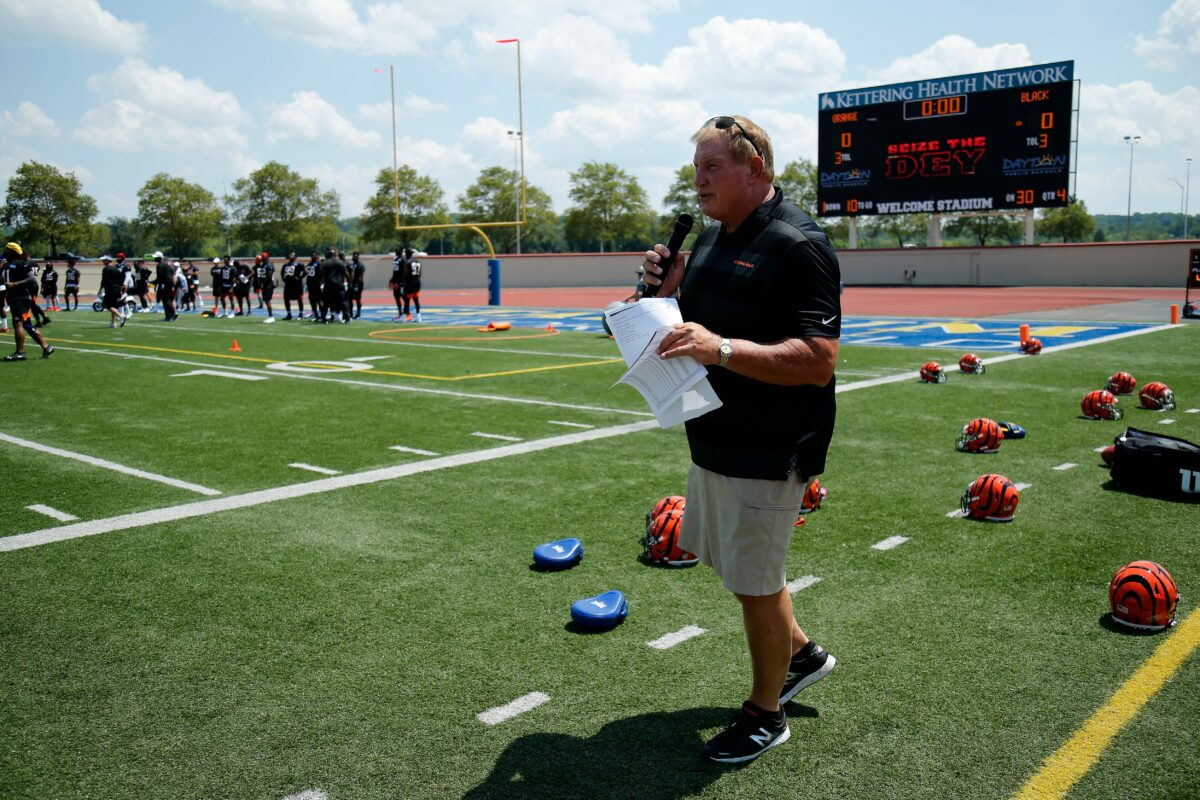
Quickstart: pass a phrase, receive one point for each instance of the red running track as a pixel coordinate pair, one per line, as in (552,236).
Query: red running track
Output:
(894,301)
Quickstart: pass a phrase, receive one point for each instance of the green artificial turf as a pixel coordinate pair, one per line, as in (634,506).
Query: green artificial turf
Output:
(347,640)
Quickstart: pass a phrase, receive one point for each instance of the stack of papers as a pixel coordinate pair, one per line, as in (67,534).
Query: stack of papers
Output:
(676,389)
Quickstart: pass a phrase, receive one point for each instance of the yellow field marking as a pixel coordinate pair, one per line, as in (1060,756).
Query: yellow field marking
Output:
(1074,759)
(477,337)
(446,378)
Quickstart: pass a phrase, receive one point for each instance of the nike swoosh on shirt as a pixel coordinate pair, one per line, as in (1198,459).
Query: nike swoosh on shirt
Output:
(831,319)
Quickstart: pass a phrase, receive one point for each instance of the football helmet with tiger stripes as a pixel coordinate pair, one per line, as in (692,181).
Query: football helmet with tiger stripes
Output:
(668,503)
(661,541)
(980,435)
(1121,383)
(1157,396)
(971,364)
(991,497)
(1100,404)
(1143,595)
(1031,346)
(813,496)
(932,372)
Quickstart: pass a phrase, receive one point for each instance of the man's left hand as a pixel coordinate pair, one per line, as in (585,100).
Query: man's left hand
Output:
(691,339)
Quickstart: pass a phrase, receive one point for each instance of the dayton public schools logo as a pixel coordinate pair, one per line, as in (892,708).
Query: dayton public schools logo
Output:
(846,178)
(1040,165)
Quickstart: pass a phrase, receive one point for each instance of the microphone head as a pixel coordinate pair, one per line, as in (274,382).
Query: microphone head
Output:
(685,221)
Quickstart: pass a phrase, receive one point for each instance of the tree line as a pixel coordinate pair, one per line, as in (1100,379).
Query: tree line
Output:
(276,209)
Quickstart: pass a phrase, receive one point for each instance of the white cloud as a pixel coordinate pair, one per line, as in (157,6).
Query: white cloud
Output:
(151,108)
(1178,37)
(734,56)
(328,24)
(606,126)
(1113,112)
(29,121)
(411,106)
(312,118)
(952,55)
(353,183)
(792,135)
(82,23)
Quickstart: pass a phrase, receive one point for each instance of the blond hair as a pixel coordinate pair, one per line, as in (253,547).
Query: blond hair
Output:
(741,142)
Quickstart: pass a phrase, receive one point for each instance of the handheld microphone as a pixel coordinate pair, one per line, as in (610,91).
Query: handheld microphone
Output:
(683,226)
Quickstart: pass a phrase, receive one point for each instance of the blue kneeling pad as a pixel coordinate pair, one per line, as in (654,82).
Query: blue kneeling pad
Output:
(558,555)
(602,611)
(1011,430)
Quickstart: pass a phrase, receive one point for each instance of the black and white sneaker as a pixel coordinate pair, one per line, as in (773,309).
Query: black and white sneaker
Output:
(808,666)
(47,351)
(752,732)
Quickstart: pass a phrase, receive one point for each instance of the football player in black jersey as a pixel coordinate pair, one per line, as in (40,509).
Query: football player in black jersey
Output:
(358,280)
(141,283)
(71,284)
(164,287)
(241,286)
(225,278)
(50,287)
(264,276)
(412,285)
(20,284)
(333,296)
(312,283)
(396,283)
(293,286)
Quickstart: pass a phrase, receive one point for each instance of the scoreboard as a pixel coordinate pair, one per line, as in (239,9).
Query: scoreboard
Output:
(989,141)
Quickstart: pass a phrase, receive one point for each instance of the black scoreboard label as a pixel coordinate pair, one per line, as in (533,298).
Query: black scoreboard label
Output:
(990,141)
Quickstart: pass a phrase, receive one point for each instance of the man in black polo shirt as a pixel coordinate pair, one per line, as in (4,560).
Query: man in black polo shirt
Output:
(164,286)
(312,284)
(333,296)
(112,287)
(759,297)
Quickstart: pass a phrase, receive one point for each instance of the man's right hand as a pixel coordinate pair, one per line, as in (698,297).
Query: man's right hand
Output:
(653,265)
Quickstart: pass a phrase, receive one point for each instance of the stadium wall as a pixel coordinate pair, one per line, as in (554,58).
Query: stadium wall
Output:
(1163,264)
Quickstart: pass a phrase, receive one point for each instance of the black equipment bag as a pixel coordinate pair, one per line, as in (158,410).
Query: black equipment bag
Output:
(1163,466)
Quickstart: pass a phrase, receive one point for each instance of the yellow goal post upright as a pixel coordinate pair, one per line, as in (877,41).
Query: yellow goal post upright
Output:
(477,227)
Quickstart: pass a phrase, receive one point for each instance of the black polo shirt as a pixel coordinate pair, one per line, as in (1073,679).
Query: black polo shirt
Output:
(776,277)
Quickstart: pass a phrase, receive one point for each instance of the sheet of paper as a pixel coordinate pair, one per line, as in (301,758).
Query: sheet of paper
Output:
(676,389)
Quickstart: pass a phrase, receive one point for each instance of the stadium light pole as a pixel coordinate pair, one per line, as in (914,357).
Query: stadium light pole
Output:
(1131,141)
(520,132)
(1187,195)
(516,138)
(1181,191)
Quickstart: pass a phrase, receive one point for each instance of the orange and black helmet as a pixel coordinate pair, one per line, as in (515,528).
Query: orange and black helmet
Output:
(980,435)
(990,497)
(1143,595)
(932,372)
(668,503)
(971,364)
(1157,396)
(1121,383)
(1031,346)
(661,542)
(1100,404)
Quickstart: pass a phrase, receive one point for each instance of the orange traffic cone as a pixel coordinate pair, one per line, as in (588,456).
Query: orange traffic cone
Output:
(550,327)
(235,348)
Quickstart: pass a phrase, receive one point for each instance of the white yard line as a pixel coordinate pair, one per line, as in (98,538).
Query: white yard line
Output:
(395,387)
(796,585)
(308,794)
(1064,467)
(110,465)
(890,543)
(399,448)
(1099,449)
(501,437)
(368,358)
(61,516)
(570,424)
(1192,411)
(311,468)
(1020,487)
(672,639)
(527,702)
(1166,422)
(204,508)
(218,374)
(957,513)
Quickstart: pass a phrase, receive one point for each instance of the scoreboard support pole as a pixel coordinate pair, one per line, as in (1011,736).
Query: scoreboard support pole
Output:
(1029,226)
(935,230)
(853,228)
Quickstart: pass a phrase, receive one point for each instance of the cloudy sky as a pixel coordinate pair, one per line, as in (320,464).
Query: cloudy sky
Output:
(118,90)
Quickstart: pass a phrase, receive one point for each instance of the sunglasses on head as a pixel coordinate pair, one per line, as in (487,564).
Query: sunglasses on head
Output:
(725,123)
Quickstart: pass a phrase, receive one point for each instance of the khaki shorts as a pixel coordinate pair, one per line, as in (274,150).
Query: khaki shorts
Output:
(742,527)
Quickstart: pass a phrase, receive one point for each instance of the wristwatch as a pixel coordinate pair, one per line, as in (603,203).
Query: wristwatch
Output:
(726,351)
